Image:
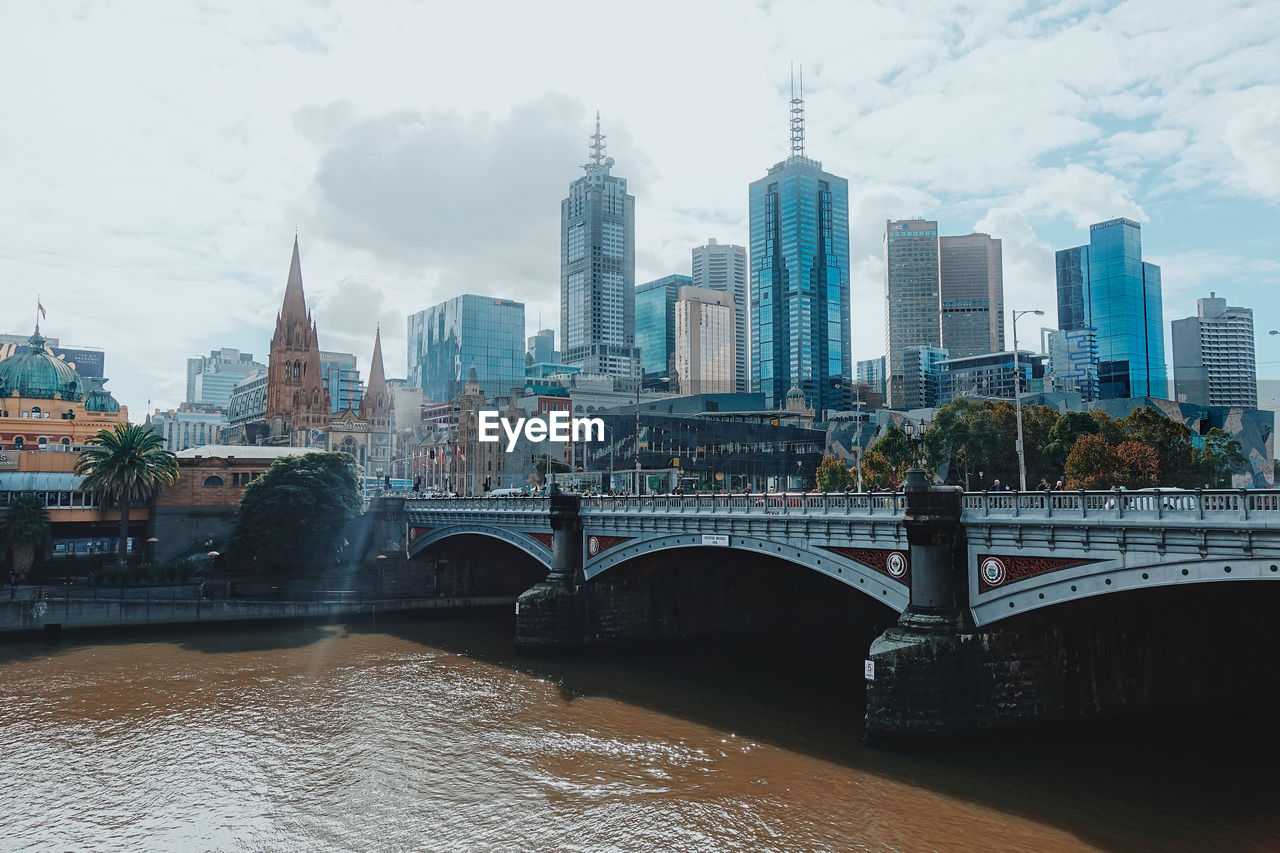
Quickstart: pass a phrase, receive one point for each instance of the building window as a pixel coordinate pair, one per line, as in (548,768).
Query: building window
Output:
(18,442)
(213,480)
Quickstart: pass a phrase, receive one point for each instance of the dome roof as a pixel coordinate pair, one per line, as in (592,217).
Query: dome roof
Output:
(36,373)
(97,398)
(795,393)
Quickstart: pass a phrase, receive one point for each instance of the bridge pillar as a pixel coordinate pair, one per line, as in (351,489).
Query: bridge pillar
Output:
(924,675)
(551,614)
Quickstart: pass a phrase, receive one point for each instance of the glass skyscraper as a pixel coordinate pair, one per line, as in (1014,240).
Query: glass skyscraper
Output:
(598,271)
(971,290)
(800,281)
(1106,286)
(655,322)
(447,340)
(723,267)
(912,299)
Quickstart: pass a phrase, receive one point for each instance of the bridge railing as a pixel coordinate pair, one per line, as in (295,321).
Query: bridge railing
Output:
(1194,504)
(865,503)
(482,505)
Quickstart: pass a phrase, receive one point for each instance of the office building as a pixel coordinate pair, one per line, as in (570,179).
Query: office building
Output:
(1073,363)
(921,377)
(991,376)
(656,323)
(447,340)
(723,267)
(1213,356)
(1105,285)
(598,271)
(799,263)
(542,347)
(871,372)
(912,312)
(705,350)
(341,379)
(184,428)
(971,290)
(210,378)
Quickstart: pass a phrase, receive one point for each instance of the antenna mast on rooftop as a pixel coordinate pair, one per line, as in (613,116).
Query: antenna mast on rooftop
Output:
(797,114)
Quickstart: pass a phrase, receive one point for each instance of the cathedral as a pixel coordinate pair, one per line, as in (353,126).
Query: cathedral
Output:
(298,412)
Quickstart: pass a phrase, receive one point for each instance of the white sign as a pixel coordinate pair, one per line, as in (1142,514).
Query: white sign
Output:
(713,539)
(558,427)
(869,669)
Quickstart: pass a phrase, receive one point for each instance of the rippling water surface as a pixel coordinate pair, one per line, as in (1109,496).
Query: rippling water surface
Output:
(432,735)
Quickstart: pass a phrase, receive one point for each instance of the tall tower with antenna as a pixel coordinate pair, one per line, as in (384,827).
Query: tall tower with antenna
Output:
(598,271)
(799,272)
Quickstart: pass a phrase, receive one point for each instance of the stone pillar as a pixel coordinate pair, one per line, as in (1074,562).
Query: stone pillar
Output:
(939,588)
(552,614)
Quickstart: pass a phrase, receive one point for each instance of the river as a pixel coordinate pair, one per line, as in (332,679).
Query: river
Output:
(415,734)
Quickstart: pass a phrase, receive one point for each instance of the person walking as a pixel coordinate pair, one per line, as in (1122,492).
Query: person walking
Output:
(995,486)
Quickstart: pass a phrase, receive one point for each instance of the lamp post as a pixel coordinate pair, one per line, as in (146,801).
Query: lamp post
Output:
(1017,399)
(609,430)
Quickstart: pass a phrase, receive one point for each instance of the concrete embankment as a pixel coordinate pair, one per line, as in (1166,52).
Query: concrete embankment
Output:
(69,613)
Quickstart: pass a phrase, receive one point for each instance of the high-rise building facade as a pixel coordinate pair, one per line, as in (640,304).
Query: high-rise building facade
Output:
(542,347)
(799,264)
(912,298)
(705,351)
(447,340)
(921,377)
(723,267)
(222,369)
(341,380)
(1073,362)
(656,323)
(598,271)
(871,372)
(971,290)
(1105,285)
(1213,356)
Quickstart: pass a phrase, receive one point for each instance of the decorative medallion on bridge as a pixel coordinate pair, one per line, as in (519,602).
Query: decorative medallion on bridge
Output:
(596,544)
(415,532)
(545,538)
(994,571)
(895,564)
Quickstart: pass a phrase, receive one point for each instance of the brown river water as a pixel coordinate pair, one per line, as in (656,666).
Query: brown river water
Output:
(415,734)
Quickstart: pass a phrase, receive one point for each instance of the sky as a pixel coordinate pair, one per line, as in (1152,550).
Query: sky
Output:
(157,158)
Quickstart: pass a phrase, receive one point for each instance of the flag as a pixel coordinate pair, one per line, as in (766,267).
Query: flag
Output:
(40,308)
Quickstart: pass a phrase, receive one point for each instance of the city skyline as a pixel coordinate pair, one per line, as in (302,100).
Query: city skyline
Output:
(120,221)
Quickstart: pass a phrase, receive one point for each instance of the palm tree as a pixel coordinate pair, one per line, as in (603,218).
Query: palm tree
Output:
(126,464)
(26,526)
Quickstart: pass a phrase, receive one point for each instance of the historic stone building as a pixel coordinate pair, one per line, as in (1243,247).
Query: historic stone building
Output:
(297,401)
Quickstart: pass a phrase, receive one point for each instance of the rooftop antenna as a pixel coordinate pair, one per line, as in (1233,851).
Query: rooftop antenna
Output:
(797,114)
(597,145)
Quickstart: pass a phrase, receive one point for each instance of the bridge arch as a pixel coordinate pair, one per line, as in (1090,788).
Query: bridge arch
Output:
(515,538)
(874,584)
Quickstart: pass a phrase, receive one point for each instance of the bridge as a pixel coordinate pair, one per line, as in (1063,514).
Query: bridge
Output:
(1023,551)
(993,610)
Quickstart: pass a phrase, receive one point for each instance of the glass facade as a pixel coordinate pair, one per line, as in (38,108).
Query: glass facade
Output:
(799,261)
(971,288)
(913,313)
(1107,286)
(447,340)
(655,323)
(341,379)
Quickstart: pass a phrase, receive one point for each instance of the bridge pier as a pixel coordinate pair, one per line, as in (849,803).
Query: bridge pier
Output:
(551,614)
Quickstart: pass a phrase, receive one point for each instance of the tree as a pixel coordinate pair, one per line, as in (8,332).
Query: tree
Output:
(1170,439)
(1063,436)
(966,438)
(26,527)
(1138,465)
(1092,464)
(833,475)
(1220,457)
(296,513)
(877,472)
(126,464)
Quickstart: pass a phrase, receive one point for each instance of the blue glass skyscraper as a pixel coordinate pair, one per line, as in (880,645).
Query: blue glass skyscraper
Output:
(800,280)
(656,322)
(447,340)
(1106,286)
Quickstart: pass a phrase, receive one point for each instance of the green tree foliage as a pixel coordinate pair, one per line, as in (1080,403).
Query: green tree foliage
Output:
(878,474)
(1063,436)
(833,475)
(25,528)
(1171,441)
(969,438)
(126,464)
(293,517)
(1095,464)
(1220,457)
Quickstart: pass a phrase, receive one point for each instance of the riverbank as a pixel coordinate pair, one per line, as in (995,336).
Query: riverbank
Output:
(72,613)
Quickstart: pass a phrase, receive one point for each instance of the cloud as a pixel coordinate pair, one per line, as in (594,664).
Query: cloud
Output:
(1254,140)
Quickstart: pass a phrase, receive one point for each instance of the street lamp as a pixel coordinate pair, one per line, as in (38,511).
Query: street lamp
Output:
(1017,398)
(612,439)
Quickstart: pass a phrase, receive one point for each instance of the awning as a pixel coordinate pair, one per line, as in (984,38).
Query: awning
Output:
(39,481)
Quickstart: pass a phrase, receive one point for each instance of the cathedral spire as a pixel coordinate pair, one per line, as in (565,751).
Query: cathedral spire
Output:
(295,304)
(377,397)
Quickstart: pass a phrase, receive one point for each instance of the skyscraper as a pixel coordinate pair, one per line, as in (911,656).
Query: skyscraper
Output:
(1213,356)
(800,279)
(723,267)
(656,323)
(705,353)
(912,297)
(1106,285)
(598,271)
(447,340)
(971,288)
(542,347)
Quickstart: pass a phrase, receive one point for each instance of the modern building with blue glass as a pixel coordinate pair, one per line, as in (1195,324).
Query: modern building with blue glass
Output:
(800,280)
(447,340)
(656,323)
(341,378)
(1106,286)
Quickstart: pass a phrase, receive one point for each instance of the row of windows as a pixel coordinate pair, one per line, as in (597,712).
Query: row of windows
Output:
(19,442)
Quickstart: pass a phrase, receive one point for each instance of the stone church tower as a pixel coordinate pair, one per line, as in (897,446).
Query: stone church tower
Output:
(297,401)
(375,407)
